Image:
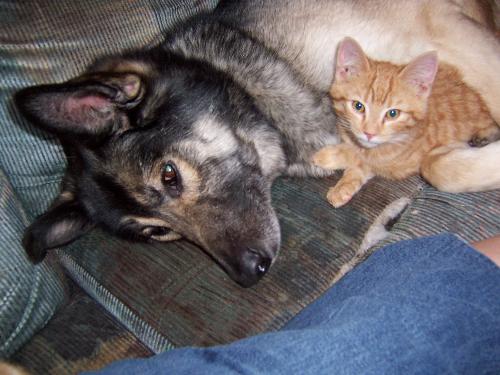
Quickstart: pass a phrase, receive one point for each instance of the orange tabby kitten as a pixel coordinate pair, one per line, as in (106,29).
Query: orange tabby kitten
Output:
(396,121)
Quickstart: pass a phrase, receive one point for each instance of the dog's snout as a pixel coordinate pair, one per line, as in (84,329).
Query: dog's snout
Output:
(254,264)
(263,266)
(263,261)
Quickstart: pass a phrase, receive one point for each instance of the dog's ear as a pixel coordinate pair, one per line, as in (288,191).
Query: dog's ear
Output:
(92,105)
(60,225)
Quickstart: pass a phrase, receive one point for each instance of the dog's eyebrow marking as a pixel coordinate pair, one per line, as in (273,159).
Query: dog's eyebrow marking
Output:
(128,66)
(211,139)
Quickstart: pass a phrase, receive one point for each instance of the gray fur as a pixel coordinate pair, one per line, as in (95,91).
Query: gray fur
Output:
(302,115)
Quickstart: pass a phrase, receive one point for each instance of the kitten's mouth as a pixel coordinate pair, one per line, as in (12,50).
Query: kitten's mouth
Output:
(367,144)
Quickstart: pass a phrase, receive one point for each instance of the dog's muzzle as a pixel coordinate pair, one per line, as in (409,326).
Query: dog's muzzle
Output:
(253,265)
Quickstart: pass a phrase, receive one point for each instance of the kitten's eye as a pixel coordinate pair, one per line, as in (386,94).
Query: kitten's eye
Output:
(358,106)
(392,113)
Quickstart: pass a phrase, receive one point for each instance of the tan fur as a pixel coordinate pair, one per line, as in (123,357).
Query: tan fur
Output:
(474,60)
(397,31)
(128,66)
(429,137)
(472,169)
(152,178)
(137,187)
(154,222)
(9,369)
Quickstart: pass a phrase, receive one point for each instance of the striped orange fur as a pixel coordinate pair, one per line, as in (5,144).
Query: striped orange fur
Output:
(399,120)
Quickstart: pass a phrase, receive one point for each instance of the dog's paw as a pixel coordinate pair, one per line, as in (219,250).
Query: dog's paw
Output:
(479,142)
(341,194)
(485,137)
(329,157)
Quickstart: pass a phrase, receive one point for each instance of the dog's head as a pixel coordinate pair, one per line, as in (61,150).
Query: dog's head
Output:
(159,152)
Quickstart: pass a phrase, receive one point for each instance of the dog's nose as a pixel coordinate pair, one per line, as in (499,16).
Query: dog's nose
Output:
(254,263)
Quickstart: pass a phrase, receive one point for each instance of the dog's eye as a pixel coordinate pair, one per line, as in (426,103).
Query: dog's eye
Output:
(171,179)
(169,174)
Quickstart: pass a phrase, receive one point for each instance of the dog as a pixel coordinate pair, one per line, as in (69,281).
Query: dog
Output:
(186,138)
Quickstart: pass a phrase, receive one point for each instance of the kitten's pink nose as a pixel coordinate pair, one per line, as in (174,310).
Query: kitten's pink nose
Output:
(369,135)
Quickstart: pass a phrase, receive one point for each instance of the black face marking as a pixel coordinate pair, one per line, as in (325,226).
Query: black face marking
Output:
(153,195)
(116,194)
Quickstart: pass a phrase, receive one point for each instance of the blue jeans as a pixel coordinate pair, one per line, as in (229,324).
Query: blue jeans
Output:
(426,306)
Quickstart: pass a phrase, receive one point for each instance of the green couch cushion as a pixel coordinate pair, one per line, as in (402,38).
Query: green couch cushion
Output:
(82,336)
(173,294)
(472,216)
(29,294)
(45,41)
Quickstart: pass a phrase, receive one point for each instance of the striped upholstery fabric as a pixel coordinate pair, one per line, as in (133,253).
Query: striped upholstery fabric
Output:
(29,295)
(172,294)
(82,336)
(45,41)
(472,216)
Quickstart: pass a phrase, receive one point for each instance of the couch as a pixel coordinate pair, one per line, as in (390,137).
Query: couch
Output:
(102,298)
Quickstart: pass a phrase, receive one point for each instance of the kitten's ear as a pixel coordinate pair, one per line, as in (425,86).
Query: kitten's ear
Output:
(59,226)
(421,72)
(351,60)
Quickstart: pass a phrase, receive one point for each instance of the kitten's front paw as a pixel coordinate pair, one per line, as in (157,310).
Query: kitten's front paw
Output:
(329,157)
(339,195)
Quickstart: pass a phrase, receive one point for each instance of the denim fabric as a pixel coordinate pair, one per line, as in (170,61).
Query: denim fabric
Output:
(427,306)
(29,294)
